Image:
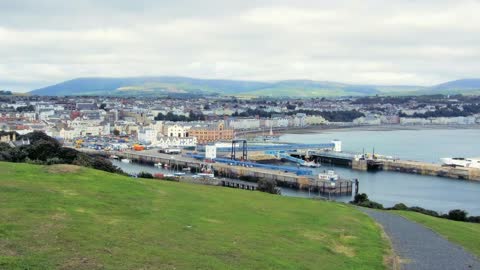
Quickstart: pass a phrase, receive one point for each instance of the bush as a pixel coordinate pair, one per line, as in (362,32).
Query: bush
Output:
(424,211)
(458,215)
(268,186)
(145,175)
(371,204)
(52,161)
(359,198)
(100,163)
(474,219)
(400,206)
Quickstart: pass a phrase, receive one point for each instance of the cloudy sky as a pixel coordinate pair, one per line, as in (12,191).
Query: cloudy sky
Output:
(379,42)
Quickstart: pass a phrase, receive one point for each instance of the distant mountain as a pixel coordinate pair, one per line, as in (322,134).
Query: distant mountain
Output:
(146,86)
(165,85)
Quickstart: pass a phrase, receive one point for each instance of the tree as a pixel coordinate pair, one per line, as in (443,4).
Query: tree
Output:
(43,150)
(458,215)
(268,186)
(359,198)
(116,132)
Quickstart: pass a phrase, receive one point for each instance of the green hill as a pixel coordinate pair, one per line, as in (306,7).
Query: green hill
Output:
(165,85)
(67,217)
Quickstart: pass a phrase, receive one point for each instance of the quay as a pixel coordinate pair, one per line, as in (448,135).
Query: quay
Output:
(379,162)
(285,176)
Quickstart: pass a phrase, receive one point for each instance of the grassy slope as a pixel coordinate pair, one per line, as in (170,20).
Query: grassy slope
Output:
(87,219)
(462,233)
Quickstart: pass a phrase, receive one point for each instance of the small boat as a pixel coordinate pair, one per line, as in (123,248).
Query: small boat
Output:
(329,175)
(211,175)
(114,157)
(126,160)
(157,164)
(310,164)
(179,174)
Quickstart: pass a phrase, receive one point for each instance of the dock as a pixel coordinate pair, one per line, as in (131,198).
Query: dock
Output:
(379,162)
(285,176)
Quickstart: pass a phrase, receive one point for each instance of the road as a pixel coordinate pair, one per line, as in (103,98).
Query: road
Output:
(419,248)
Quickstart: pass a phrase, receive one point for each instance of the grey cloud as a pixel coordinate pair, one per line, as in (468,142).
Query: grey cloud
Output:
(372,41)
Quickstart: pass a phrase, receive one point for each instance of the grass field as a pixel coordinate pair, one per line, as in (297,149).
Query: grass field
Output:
(66,217)
(463,233)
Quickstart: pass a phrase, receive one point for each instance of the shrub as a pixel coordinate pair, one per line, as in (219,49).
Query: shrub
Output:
(145,175)
(424,211)
(458,215)
(400,206)
(371,204)
(474,219)
(359,198)
(268,186)
(54,160)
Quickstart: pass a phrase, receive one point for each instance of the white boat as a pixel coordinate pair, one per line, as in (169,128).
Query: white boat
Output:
(157,164)
(462,162)
(328,176)
(125,160)
(310,164)
(179,174)
(211,175)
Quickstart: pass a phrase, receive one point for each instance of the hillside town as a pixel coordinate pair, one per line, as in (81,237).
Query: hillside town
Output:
(118,122)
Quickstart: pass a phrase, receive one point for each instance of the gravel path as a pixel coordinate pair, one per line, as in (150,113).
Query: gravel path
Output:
(419,248)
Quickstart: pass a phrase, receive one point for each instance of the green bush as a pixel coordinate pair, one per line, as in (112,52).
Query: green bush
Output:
(371,204)
(400,206)
(424,211)
(359,198)
(145,175)
(458,215)
(268,186)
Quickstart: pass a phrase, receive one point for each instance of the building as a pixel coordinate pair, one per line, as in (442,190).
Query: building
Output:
(148,136)
(177,131)
(167,142)
(212,133)
(7,136)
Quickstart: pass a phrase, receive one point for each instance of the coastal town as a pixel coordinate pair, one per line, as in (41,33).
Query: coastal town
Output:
(120,122)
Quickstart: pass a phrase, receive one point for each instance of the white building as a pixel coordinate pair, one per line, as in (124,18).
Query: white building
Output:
(166,142)
(248,123)
(148,136)
(177,131)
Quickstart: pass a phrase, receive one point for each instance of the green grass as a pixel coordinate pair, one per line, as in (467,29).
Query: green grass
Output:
(463,233)
(65,217)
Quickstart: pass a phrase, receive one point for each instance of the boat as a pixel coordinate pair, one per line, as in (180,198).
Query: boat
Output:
(179,174)
(186,169)
(310,164)
(157,164)
(461,162)
(114,157)
(125,160)
(210,175)
(328,176)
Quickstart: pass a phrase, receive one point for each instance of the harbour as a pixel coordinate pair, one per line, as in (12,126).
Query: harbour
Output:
(438,193)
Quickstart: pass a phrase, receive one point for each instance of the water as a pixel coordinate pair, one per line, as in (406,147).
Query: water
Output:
(135,168)
(388,188)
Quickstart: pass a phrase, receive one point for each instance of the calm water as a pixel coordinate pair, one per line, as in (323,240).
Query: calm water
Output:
(135,168)
(440,194)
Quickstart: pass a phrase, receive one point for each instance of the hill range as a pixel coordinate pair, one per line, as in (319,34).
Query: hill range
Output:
(166,85)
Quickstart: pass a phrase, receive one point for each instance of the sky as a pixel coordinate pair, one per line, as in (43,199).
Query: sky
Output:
(395,42)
